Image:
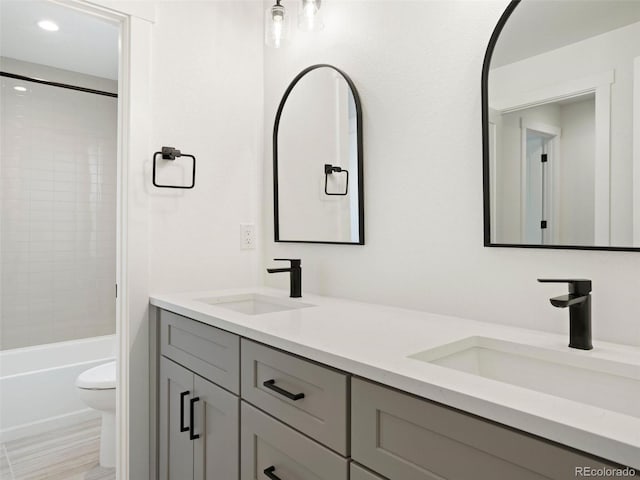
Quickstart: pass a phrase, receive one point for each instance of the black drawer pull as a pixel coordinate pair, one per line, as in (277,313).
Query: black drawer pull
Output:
(271,385)
(269,473)
(182,395)
(192,402)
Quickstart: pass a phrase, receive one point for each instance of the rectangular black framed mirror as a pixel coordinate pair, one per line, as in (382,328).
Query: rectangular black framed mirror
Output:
(318,183)
(561,126)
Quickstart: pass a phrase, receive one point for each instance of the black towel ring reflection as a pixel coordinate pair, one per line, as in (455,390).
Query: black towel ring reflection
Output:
(170,153)
(329,170)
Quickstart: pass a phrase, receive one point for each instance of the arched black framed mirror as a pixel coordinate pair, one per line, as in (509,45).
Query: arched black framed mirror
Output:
(318,185)
(560,116)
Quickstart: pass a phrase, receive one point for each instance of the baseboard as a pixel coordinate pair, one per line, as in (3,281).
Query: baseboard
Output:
(48,424)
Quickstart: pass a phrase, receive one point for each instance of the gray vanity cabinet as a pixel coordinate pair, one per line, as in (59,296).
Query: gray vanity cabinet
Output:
(202,445)
(199,414)
(300,420)
(270,449)
(407,438)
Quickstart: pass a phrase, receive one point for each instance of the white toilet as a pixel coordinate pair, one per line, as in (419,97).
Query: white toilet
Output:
(97,388)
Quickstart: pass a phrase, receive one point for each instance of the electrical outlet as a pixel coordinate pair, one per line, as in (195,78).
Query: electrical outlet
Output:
(247,236)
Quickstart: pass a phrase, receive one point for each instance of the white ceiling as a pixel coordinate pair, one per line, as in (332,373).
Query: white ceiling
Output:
(538,26)
(84,43)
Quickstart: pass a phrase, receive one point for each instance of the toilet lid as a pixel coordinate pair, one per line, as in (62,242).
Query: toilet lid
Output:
(101,377)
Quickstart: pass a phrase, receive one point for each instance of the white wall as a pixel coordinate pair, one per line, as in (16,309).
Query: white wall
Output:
(207,101)
(58,187)
(417,66)
(577,170)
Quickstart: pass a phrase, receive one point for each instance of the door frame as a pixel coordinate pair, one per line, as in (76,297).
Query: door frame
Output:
(600,85)
(494,129)
(122,161)
(636,152)
(551,193)
(134,76)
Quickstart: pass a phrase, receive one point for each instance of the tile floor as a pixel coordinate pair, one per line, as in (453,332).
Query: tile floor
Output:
(66,454)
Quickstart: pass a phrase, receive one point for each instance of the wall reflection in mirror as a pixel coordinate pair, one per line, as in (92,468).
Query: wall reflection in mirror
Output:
(318,160)
(562,123)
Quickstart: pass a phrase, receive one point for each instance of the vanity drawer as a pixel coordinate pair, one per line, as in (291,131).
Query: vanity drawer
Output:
(359,473)
(208,351)
(407,438)
(267,444)
(321,414)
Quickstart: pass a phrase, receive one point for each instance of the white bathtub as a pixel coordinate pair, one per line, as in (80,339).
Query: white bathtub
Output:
(37,390)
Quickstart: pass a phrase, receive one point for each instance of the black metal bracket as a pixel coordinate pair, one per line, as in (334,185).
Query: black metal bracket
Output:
(170,153)
(330,170)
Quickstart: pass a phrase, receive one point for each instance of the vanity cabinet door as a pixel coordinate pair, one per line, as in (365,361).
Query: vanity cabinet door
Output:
(272,450)
(176,449)
(216,454)
(407,438)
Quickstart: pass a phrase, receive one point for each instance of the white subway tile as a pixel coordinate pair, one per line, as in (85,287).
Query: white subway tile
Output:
(64,196)
(42,195)
(57,184)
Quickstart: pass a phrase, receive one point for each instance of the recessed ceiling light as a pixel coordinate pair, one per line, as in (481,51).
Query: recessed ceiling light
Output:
(48,25)
(20,88)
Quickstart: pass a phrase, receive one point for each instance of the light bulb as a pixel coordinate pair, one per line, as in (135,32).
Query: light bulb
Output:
(278,20)
(19,88)
(276,29)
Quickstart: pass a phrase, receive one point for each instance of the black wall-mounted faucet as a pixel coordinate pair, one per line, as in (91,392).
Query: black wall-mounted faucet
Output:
(579,303)
(295,271)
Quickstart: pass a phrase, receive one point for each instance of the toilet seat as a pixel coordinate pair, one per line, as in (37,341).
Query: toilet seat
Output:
(102,377)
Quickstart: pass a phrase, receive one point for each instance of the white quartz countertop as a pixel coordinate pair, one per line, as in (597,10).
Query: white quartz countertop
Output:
(374,342)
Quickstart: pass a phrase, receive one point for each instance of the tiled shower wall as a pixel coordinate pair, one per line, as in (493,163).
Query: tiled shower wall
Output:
(58,211)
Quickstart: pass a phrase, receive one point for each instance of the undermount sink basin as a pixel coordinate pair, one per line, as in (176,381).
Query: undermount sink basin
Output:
(571,375)
(254,304)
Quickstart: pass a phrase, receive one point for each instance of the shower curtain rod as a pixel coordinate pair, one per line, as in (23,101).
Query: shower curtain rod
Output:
(56,84)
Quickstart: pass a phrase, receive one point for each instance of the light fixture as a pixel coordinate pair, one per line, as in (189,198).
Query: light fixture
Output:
(20,88)
(48,25)
(276,25)
(309,17)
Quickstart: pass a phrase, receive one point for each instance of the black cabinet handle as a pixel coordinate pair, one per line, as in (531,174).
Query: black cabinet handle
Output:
(192,402)
(269,473)
(182,395)
(271,385)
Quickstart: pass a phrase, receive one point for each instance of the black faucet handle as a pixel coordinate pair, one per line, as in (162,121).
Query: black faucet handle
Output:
(579,286)
(295,262)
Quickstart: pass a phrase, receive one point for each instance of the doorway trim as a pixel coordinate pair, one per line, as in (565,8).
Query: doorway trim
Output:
(122,162)
(551,194)
(636,152)
(600,85)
